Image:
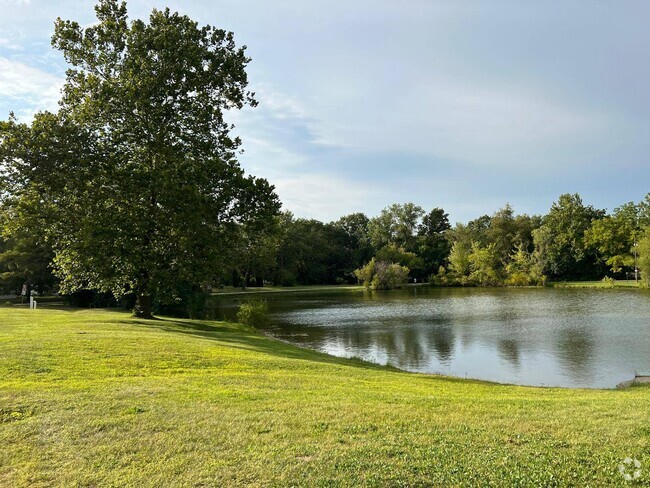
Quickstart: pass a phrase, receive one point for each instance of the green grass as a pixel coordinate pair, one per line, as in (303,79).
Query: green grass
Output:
(285,289)
(595,284)
(96,398)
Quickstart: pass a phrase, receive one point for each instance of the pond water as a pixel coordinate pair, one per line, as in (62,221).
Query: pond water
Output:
(553,337)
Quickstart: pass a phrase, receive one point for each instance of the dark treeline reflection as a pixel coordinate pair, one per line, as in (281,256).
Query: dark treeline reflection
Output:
(564,337)
(509,350)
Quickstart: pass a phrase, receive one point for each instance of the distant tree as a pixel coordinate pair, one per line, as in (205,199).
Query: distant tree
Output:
(565,253)
(643,212)
(474,231)
(311,253)
(138,167)
(25,254)
(435,223)
(254,250)
(524,268)
(381,229)
(392,253)
(396,224)
(502,232)
(484,265)
(643,248)
(459,263)
(354,240)
(284,273)
(498,239)
(613,238)
(509,232)
(25,260)
(433,244)
(525,225)
(355,226)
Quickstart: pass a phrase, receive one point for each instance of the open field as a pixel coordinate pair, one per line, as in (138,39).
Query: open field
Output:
(96,398)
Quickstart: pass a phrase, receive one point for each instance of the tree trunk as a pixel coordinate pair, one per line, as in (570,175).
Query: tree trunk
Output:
(142,309)
(247,278)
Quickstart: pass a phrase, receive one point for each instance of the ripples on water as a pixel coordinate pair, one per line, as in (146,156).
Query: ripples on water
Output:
(559,337)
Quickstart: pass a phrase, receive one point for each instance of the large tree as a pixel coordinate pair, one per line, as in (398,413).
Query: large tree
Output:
(351,234)
(310,253)
(396,224)
(613,238)
(434,246)
(138,168)
(25,259)
(560,240)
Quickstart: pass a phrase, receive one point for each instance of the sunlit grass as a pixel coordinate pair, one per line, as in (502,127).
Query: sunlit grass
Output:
(595,284)
(285,289)
(96,398)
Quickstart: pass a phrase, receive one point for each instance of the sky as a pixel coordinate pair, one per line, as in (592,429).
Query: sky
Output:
(464,105)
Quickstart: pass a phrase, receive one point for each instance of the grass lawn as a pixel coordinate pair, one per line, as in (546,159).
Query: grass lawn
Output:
(96,398)
(285,289)
(595,284)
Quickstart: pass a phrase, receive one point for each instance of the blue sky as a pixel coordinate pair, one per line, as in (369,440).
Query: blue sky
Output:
(458,104)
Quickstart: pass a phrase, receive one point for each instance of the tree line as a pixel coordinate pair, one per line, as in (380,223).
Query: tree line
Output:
(573,241)
(132,192)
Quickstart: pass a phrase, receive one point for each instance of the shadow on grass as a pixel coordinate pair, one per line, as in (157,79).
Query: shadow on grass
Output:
(61,307)
(248,338)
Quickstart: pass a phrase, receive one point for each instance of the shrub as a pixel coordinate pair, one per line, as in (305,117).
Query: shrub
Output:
(381,275)
(518,279)
(389,276)
(365,273)
(608,282)
(254,313)
(441,278)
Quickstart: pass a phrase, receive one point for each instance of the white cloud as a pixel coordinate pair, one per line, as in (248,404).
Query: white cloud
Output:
(282,105)
(12,39)
(323,196)
(451,119)
(274,134)
(7,43)
(28,87)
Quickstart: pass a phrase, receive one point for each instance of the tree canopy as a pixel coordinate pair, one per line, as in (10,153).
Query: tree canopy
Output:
(137,171)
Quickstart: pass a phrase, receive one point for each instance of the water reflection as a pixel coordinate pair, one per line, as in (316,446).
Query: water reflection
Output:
(509,350)
(443,339)
(564,337)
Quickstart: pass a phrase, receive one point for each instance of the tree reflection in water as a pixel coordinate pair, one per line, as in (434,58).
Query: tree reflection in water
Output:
(563,337)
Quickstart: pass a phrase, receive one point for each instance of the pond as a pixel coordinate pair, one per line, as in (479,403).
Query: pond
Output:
(579,338)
